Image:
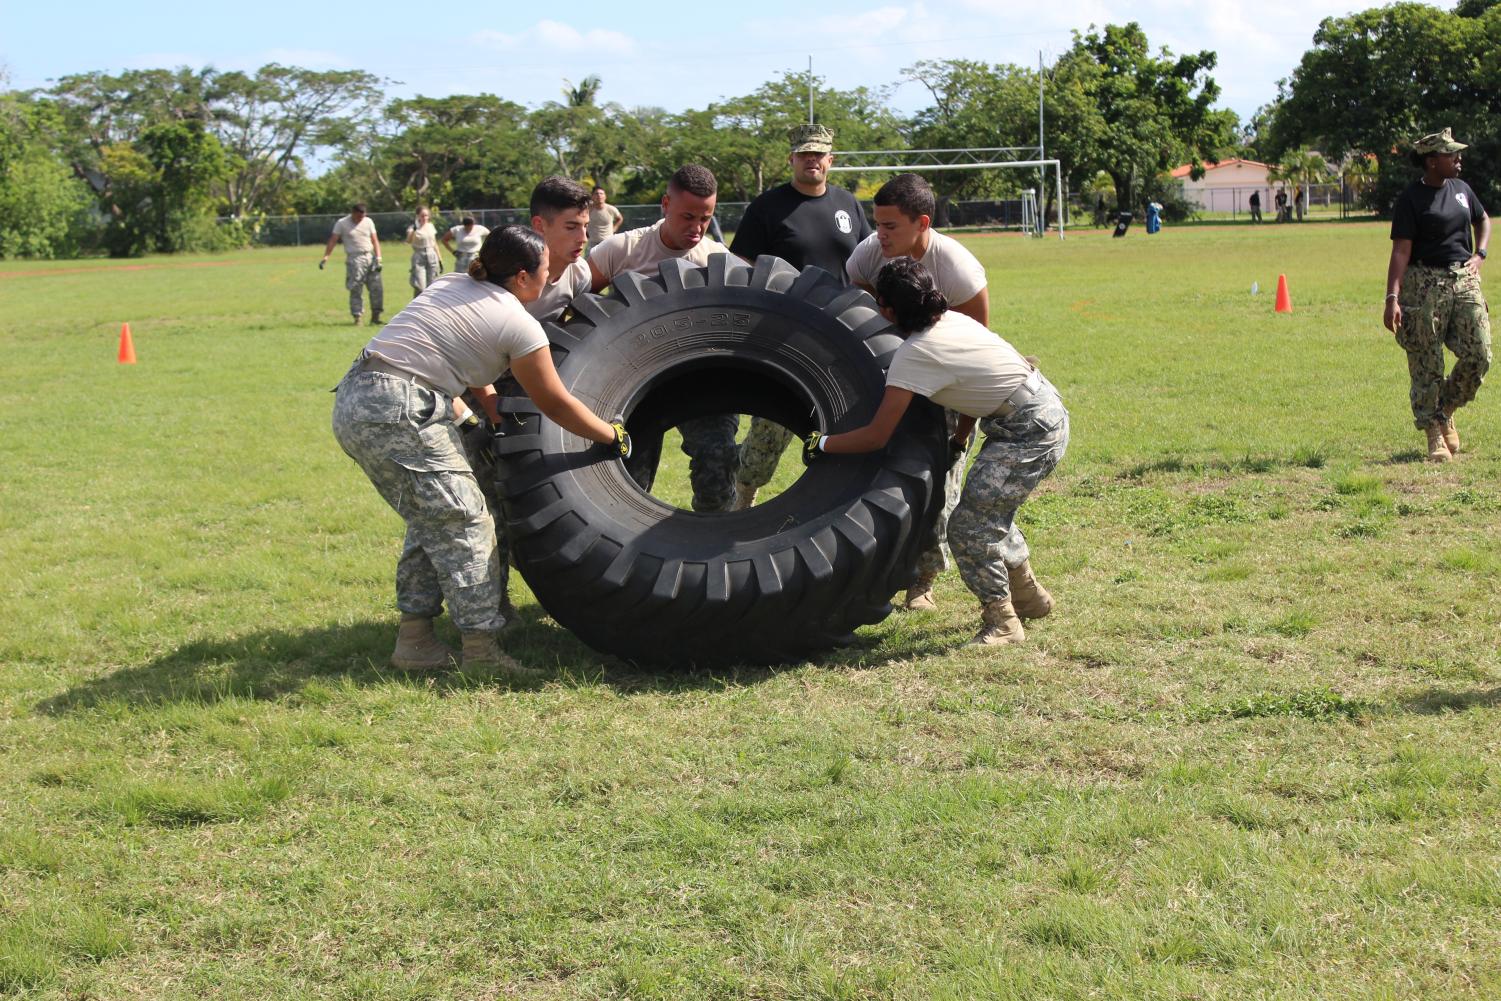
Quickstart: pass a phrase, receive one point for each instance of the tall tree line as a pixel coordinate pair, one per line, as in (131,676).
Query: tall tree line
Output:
(145,160)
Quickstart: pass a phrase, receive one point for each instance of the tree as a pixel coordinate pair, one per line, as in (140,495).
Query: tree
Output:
(1374,81)
(975,104)
(1133,114)
(270,120)
(43,207)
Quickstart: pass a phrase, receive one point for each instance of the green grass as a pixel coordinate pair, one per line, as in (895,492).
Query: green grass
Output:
(1253,752)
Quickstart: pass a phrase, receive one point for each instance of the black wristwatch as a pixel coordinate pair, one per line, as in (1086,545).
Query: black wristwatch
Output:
(1481,252)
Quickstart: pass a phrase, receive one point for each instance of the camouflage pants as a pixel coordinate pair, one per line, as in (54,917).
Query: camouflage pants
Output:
(713,460)
(403,437)
(761,451)
(477,449)
(461,262)
(425,267)
(359,272)
(1443,307)
(1019,451)
(932,561)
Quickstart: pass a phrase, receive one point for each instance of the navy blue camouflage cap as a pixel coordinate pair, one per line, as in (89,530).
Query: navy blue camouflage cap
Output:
(812,139)
(1438,142)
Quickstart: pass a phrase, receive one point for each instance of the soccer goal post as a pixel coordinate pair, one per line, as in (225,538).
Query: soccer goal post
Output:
(875,161)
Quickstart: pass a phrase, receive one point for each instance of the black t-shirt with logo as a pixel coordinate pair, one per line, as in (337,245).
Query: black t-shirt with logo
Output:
(803,230)
(1438,221)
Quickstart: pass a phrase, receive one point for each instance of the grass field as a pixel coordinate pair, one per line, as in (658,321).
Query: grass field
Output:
(1253,754)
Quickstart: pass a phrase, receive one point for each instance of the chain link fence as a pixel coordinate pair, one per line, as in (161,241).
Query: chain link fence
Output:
(391,227)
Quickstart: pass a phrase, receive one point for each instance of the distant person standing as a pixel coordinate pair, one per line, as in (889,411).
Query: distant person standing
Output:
(426,265)
(605,219)
(1099,212)
(1433,297)
(1279,202)
(1255,204)
(464,241)
(361,261)
(904,208)
(1300,201)
(806,222)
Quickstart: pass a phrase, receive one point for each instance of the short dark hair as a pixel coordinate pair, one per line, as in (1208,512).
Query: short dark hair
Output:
(595,188)
(693,179)
(506,251)
(558,194)
(910,193)
(357,207)
(906,288)
(468,220)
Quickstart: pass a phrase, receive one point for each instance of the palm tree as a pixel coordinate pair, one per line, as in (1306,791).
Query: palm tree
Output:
(584,94)
(1300,167)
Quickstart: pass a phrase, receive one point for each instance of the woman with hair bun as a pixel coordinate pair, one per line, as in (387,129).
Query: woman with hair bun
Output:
(959,364)
(397,413)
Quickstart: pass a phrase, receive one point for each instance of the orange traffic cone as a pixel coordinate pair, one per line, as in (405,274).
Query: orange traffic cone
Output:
(1284,301)
(127,346)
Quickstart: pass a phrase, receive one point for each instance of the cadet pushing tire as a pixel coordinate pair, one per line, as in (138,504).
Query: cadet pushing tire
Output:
(633,576)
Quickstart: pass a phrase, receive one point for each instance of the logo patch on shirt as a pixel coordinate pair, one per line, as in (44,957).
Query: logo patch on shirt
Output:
(1462,200)
(842,220)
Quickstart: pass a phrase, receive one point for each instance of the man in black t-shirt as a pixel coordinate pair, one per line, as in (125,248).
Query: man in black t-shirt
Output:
(1433,297)
(806,222)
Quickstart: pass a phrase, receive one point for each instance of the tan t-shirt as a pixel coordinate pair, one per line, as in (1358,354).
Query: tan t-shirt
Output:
(556,297)
(955,271)
(459,333)
(642,249)
(602,222)
(423,238)
(357,239)
(470,242)
(960,365)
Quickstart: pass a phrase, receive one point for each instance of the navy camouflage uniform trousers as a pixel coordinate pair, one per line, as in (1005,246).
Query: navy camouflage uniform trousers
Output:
(1443,307)
(403,436)
(360,273)
(1018,452)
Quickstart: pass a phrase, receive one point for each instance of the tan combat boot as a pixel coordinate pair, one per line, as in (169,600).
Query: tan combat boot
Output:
(1451,433)
(1001,625)
(1438,451)
(418,647)
(745,496)
(482,653)
(920,594)
(1030,599)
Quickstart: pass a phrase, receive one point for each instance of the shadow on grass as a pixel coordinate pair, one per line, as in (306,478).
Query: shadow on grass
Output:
(276,664)
(1405,457)
(1438,700)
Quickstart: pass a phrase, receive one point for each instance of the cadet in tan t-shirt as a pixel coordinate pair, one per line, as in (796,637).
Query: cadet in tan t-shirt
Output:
(605,219)
(560,212)
(709,442)
(361,261)
(904,209)
(953,361)
(394,415)
(423,239)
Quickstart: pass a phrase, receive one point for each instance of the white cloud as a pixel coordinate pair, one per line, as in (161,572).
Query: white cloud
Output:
(559,37)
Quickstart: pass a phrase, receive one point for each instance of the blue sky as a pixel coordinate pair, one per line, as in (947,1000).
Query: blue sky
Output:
(672,55)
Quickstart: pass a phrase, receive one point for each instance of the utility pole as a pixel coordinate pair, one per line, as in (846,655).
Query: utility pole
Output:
(810,89)
(1042,153)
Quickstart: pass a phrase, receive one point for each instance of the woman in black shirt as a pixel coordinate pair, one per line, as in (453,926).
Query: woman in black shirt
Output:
(1433,297)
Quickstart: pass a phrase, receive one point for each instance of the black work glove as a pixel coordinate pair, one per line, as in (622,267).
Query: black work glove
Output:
(375,268)
(810,446)
(622,442)
(957,448)
(322,264)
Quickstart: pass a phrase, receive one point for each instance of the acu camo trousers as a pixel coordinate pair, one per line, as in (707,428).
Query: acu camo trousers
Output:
(1443,307)
(403,437)
(424,269)
(359,272)
(1018,452)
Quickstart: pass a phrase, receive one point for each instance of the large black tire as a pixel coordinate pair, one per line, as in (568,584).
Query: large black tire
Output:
(662,586)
